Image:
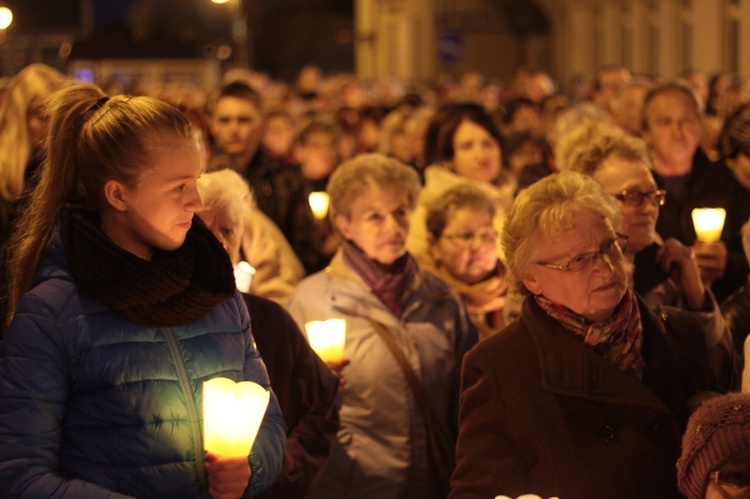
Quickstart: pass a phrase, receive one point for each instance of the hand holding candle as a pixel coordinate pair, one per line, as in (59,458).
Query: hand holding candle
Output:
(227,476)
(708,223)
(327,338)
(232,414)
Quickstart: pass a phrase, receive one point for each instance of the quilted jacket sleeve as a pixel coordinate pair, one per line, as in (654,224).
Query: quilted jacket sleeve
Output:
(34,382)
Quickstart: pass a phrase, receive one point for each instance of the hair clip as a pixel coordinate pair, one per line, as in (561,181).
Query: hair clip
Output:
(103,101)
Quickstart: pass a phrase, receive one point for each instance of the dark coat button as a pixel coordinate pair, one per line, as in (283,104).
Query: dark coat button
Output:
(662,426)
(607,433)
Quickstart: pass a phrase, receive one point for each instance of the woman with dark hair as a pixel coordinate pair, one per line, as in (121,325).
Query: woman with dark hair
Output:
(521,115)
(466,148)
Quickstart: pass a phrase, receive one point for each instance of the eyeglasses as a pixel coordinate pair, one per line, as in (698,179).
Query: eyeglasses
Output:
(635,198)
(612,248)
(466,239)
(734,479)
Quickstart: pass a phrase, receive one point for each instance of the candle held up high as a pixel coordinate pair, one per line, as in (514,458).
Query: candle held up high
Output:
(708,223)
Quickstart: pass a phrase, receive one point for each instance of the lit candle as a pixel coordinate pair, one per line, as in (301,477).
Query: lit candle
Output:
(708,223)
(327,338)
(232,414)
(243,276)
(319,204)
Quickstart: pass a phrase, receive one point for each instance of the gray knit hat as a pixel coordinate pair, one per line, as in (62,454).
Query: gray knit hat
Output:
(718,431)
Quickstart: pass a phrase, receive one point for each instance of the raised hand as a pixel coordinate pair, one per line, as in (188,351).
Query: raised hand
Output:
(712,260)
(680,262)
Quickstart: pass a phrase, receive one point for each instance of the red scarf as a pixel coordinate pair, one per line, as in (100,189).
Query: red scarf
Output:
(389,284)
(618,339)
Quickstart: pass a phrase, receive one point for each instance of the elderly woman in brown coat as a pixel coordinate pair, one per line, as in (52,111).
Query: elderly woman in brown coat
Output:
(587,394)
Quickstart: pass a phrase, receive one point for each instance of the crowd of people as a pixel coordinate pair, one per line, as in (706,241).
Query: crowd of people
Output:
(529,306)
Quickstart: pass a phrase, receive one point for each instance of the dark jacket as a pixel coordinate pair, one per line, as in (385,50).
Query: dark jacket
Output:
(92,403)
(543,414)
(306,390)
(709,185)
(280,193)
(311,234)
(736,310)
(658,290)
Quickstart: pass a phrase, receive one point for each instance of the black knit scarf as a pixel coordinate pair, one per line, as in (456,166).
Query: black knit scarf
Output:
(174,288)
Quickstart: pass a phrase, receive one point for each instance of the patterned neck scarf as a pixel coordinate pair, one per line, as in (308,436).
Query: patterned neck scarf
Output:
(618,339)
(388,284)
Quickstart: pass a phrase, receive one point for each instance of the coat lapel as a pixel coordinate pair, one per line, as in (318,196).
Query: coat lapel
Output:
(569,368)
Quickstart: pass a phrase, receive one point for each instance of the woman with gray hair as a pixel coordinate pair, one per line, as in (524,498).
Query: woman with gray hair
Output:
(406,334)
(249,235)
(587,394)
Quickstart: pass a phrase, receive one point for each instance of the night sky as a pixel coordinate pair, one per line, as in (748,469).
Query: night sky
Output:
(106,11)
(32,16)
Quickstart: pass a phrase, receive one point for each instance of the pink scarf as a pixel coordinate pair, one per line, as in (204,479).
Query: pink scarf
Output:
(388,284)
(618,339)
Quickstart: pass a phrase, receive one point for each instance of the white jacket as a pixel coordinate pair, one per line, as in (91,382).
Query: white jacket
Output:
(381,451)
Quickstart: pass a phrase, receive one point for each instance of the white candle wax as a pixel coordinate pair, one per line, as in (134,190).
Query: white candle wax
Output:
(232,414)
(243,276)
(319,204)
(708,223)
(327,338)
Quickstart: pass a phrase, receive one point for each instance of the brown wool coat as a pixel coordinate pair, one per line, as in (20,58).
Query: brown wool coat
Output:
(540,413)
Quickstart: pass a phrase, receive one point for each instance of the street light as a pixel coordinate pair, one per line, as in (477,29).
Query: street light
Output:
(6,17)
(240,36)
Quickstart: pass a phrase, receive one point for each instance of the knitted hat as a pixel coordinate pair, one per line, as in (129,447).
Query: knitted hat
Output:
(718,431)
(735,137)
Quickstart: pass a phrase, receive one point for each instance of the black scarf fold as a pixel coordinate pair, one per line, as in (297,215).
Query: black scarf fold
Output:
(174,288)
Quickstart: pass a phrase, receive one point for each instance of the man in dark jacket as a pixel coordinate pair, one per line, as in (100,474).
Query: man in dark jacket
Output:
(236,128)
(672,128)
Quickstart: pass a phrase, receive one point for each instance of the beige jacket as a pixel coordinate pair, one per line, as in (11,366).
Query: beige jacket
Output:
(277,268)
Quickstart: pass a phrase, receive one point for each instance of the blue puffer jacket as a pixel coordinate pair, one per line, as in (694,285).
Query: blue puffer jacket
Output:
(93,405)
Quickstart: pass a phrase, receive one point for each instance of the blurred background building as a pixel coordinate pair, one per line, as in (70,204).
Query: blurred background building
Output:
(411,40)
